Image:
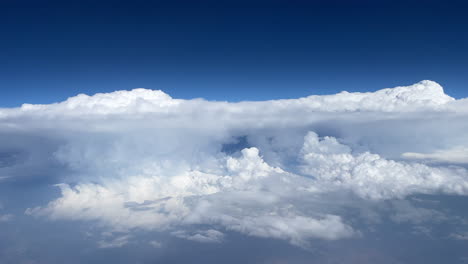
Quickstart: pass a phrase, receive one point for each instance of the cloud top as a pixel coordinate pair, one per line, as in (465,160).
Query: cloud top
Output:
(420,96)
(285,169)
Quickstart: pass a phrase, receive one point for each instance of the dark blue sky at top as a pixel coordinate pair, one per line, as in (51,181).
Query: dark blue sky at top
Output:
(228,50)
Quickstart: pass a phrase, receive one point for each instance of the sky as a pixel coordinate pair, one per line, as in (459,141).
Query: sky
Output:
(228,50)
(233,132)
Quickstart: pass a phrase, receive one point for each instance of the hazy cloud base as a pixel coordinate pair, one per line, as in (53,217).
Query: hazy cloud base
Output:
(140,168)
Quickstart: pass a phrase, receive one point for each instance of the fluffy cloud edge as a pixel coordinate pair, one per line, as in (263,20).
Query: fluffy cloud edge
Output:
(143,160)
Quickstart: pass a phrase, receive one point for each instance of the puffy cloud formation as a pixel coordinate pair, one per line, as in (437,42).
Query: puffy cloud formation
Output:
(423,95)
(285,169)
(372,177)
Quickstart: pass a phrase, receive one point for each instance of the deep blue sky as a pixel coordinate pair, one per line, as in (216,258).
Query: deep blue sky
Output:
(222,50)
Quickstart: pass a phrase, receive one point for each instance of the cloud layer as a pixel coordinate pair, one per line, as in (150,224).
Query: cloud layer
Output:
(295,170)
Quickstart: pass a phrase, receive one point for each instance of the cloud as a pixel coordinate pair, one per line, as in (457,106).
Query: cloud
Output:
(155,244)
(5,217)
(462,236)
(114,242)
(251,198)
(204,236)
(424,95)
(456,155)
(372,177)
(404,211)
(293,170)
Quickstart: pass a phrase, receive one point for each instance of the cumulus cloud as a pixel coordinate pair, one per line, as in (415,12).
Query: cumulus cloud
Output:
(373,177)
(250,197)
(424,95)
(285,169)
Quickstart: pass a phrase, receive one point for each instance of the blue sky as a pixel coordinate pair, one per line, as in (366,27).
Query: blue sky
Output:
(221,50)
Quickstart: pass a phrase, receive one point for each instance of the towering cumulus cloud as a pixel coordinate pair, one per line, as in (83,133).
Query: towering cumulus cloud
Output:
(313,168)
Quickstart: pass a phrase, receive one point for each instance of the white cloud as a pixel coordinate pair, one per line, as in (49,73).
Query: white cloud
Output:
(5,217)
(456,155)
(114,242)
(406,212)
(204,236)
(142,160)
(155,244)
(423,95)
(461,236)
(372,177)
(251,198)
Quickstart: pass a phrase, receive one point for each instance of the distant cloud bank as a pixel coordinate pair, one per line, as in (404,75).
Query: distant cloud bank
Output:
(295,170)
